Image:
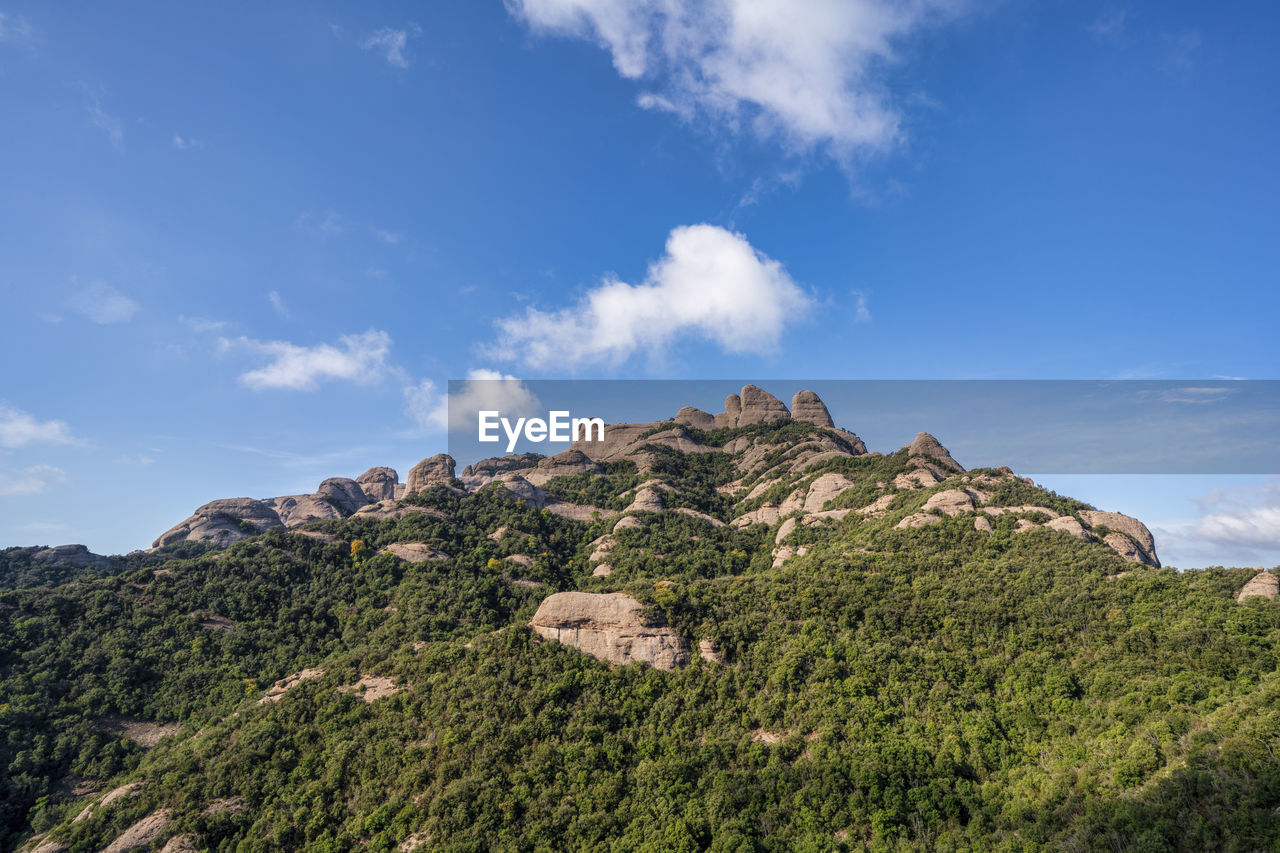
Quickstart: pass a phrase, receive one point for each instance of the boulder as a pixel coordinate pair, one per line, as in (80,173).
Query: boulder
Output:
(982,524)
(379,484)
(709,651)
(646,500)
(951,502)
(1131,527)
(806,406)
(143,834)
(1263,583)
(1070,526)
(732,411)
(1125,547)
(295,510)
(610,627)
(222,523)
(78,556)
(435,471)
(345,494)
(690,416)
(759,406)
(496,465)
(919,519)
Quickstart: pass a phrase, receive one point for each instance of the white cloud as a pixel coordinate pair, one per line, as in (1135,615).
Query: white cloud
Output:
(186,143)
(1253,527)
(108,124)
(18,429)
(31,481)
(15,29)
(482,389)
(391,238)
(711,283)
(278,303)
(811,72)
(391,43)
(324,224)
(202,324)
(355,358)
(862,313)
(103,304)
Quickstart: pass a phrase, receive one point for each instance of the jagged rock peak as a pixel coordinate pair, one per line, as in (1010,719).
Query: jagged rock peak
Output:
(929,447)
(808,406)
(379,483)
(437,470)
(732,411)
(758,405)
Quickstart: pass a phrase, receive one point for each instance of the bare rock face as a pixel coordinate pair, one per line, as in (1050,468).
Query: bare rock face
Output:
(806,406)
(222,523)
(414,552)
(435,471)
(1264,584)
(759,406)
(1070,526)
(825,488)
(564,464)
(610,627)
(78,556)
(646,500)
(141,835)
(951,502)
(732,411)
(296,510)
(346,494)
(919,519)
(1131,527)
(927,447)
(379,484)
(982,524)
(1124,546)
(690,416)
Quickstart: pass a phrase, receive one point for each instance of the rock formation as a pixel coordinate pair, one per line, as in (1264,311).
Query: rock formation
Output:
(1263,583)
(759,406)
(379,484)
(564,464)
(78,556)
(610,627)
(1131,528)
(435,471)
(690,416)
(347,495)
(929,448)
(806,406)
(222,523)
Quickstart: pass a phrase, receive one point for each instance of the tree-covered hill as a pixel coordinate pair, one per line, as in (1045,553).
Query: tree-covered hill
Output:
(889,653)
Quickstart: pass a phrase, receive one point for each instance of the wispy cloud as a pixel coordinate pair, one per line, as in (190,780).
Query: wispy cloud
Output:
(277,302)
(186,143)
(392,43)
(103,304)
(355,358)
(111,125)
(811,73)
(861,313)
(391,238)
(15,29)
(31,481)
(432,410)
(1239,525)
(203,325)
(1110,24)
(19,428)
(710,284)
(325,223)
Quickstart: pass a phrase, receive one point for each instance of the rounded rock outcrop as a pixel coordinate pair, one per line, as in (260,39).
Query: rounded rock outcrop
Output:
(807,406)
(759,406)
(433,471)
(379,483)
(222,523)
(611,627)
(1264,584)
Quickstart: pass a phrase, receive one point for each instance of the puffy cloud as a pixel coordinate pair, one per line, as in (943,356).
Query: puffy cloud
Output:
(710,283)
(18,429)
(31,481)
(103,304)
(482,389)
(355,358)
(391,43)
(810,71)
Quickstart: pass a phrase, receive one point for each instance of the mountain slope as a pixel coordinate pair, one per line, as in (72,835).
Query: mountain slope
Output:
(859,677)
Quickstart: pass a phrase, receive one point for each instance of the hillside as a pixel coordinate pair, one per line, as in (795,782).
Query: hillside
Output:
(732,632)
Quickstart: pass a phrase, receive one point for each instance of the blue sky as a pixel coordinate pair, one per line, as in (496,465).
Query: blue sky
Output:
(243,248)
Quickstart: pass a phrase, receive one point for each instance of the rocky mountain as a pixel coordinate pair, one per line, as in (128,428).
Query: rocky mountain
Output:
(728,631)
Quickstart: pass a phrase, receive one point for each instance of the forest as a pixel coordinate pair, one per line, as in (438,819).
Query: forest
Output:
(888,689)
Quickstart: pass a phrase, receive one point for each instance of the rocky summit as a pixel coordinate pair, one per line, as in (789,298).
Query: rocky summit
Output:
(802,643)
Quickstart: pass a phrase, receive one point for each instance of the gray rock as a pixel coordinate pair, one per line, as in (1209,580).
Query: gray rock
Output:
(690,416)
(379,484)
(435,471)
(927,447)
(1128,525)
(759,406)
(1264,584)
(222,523)
(610,627)
(732,411)
(807,406)
(564,464)
(345,494)
(78,556)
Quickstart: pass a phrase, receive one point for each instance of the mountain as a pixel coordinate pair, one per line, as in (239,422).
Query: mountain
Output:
(735,631)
